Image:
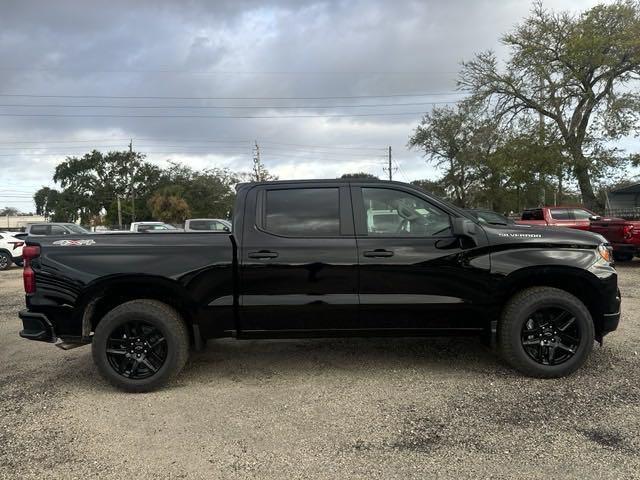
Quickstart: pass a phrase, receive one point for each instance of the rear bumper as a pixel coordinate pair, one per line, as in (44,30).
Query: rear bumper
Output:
(36,327)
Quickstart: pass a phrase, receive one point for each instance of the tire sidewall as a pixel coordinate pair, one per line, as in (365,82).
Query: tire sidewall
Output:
(116,319)
(7,261)
(585,324)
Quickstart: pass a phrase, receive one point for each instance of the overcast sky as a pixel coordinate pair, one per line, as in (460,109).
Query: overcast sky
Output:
(263,58)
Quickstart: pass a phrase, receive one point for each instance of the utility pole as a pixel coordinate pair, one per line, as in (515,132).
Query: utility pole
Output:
(257,166)
(133,191)
(119,213)
(389,168)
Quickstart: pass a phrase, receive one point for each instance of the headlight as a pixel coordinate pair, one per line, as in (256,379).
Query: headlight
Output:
(606,252)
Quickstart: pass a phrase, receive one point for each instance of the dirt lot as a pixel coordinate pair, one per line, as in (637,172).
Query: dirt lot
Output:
(404,408)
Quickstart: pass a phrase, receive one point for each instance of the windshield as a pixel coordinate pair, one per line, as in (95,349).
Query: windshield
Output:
(492,218)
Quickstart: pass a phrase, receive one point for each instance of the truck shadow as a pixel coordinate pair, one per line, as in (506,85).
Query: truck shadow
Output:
(258,360)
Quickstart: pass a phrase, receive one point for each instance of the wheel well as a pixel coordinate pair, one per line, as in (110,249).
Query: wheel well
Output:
(576,283)
(108,297)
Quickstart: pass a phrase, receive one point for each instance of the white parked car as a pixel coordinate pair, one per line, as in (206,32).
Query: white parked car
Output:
(207,225)
(10,250)
(141,227)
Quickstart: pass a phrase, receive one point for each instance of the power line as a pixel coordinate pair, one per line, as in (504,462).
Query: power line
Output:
(339,115)
(346,147)
(237,72)
(201,107)
(159,97)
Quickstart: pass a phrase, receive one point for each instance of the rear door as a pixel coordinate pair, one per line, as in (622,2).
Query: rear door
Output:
(298,259)
(414,274)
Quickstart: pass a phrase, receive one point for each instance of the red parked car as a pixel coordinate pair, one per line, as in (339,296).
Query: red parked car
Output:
(623,235)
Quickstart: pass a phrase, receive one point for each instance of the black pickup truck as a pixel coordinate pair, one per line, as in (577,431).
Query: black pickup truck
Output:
(319,259)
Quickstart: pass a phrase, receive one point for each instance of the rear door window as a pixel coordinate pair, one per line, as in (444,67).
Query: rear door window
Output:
(303,212)
(560,214)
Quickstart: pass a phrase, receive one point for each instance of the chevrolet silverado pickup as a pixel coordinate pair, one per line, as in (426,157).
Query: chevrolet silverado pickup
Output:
(322,258)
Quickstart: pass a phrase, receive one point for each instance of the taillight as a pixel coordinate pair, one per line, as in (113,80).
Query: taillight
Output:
(16,244)
(28,275)
(627,231)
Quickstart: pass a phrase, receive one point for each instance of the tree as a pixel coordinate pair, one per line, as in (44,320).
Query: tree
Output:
(259,172)
(576,71)
(455,139)
(209,193)
(169,208)
(433,187)
(11,211)
(361,175)
(93,182)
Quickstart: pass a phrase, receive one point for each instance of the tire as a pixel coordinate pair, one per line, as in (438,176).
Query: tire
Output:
(158,338)
(5,261)
(622,257)
(523,336)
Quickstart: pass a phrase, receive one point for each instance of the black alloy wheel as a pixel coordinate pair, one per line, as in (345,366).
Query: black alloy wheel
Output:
(551,336)
(136,350)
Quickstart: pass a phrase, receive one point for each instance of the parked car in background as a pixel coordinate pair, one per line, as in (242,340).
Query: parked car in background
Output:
(207,225)
(490,217)
(623,235)
(572,217)
(153,227)
(10,250)
(53,228)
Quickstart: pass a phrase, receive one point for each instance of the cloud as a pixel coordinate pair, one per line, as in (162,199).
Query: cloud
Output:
(233,49)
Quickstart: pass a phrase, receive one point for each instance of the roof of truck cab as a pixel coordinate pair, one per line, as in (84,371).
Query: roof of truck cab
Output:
(325,180)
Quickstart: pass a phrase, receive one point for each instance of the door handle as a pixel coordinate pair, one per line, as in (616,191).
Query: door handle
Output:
(262,255)
(380,252)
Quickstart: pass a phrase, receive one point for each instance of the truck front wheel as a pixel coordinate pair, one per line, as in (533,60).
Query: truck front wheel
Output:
(545,332)
(140,345)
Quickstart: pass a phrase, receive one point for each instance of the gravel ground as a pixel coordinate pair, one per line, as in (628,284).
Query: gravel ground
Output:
(357,408)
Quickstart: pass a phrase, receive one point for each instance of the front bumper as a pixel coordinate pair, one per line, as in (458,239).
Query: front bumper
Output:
(611,320)
(36,327)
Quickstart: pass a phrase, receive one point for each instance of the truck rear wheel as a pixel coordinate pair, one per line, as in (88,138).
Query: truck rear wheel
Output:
(140,345)
(545,332)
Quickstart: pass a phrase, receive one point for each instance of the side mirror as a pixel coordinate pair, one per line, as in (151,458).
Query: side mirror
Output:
(463,227)
(226,229)
(595,218)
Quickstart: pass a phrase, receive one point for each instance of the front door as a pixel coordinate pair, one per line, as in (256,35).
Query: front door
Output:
(298,259)
(414,274)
